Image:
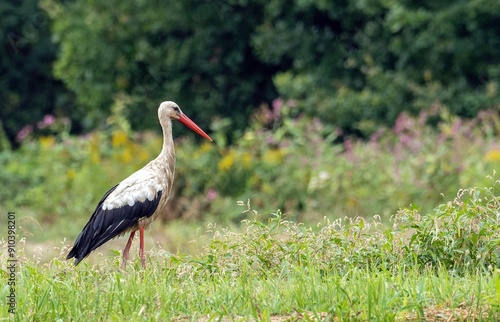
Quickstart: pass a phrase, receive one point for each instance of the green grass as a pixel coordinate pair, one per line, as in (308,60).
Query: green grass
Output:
(441,266)
(56,291)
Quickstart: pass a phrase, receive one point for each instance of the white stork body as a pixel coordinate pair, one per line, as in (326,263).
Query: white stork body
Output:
(136,201)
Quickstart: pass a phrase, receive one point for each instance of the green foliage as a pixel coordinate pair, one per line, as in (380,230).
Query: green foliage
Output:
(460,236)
(350,63)
(356,65)
(196,53)
(281,162)
(59,177)
(290,163)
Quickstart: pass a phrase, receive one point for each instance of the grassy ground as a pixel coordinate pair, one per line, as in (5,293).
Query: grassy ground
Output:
(441,266)
(57,291)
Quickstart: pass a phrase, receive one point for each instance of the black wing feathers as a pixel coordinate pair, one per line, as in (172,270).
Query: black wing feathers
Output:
(107,224)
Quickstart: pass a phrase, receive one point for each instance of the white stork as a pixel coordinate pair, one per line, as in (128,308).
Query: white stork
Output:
(135,202)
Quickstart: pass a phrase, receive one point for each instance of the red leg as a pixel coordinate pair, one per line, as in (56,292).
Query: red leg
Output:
(127,249)
(141,247)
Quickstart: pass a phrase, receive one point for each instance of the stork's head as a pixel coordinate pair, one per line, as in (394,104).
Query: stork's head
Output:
(170,110)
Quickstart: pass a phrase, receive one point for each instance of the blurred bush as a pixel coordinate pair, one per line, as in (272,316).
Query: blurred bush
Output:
(285,161)
(59,178)
(293,164)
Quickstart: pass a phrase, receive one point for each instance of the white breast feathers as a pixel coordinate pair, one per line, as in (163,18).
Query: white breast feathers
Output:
(138,187)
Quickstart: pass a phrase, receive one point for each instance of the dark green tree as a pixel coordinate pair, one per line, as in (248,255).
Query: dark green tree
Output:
(28,90)
(197,53)
(358,64)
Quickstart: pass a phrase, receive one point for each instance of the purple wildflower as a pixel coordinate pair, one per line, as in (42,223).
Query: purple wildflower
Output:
(24,132)
(212,194)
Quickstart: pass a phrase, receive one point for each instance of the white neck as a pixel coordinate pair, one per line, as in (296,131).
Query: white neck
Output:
(168,141)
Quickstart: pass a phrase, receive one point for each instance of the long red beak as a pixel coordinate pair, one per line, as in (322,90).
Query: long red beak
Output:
(190,124)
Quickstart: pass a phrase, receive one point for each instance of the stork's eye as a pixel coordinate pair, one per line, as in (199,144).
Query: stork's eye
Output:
(176,108)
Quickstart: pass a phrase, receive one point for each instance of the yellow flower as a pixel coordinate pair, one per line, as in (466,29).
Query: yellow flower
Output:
(47,141)
(118,138)
(273,156)
(95,153)
(71,174)
(126,156)
(226,162)
(205,147)
(246,160)
(492,155)
(267,188)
